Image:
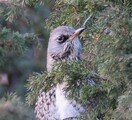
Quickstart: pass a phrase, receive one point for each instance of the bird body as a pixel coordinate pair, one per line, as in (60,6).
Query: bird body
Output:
(66,108)
(64,44)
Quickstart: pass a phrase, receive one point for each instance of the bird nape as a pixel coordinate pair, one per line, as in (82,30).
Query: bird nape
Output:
(64,45)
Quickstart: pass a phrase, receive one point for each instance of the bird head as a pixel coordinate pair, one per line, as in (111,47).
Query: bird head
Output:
(64,44)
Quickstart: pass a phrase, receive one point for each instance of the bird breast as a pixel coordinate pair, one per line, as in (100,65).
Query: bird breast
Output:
(66,108)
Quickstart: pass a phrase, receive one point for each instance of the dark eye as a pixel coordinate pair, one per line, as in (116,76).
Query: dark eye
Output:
(62,38)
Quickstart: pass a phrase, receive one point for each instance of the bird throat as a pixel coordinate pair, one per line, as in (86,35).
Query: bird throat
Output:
(68,53)
(71,50)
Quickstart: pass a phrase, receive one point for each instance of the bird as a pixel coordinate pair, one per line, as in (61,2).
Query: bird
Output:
(64,45)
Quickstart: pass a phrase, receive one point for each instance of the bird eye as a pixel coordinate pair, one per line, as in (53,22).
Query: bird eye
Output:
(62,38)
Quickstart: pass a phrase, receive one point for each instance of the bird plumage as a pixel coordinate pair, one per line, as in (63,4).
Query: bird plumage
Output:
(63,50)
(54,105)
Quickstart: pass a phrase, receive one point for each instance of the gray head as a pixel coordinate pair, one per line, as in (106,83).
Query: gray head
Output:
(63,44)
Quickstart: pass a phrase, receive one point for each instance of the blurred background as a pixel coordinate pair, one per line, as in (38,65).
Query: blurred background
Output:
(24,56)
(23,45)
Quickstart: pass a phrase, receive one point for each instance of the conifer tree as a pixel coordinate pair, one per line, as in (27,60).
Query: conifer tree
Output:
(107,53)
(107,50)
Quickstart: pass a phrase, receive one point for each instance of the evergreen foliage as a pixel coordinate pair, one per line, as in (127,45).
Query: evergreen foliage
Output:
(107,57)
(14,62)
(123,111)
(107,50)
(13,44)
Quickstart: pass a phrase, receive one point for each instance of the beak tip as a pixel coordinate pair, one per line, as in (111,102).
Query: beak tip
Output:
(77,32)
(80,30)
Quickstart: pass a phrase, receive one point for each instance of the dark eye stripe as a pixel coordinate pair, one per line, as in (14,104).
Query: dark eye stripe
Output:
(66,37)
